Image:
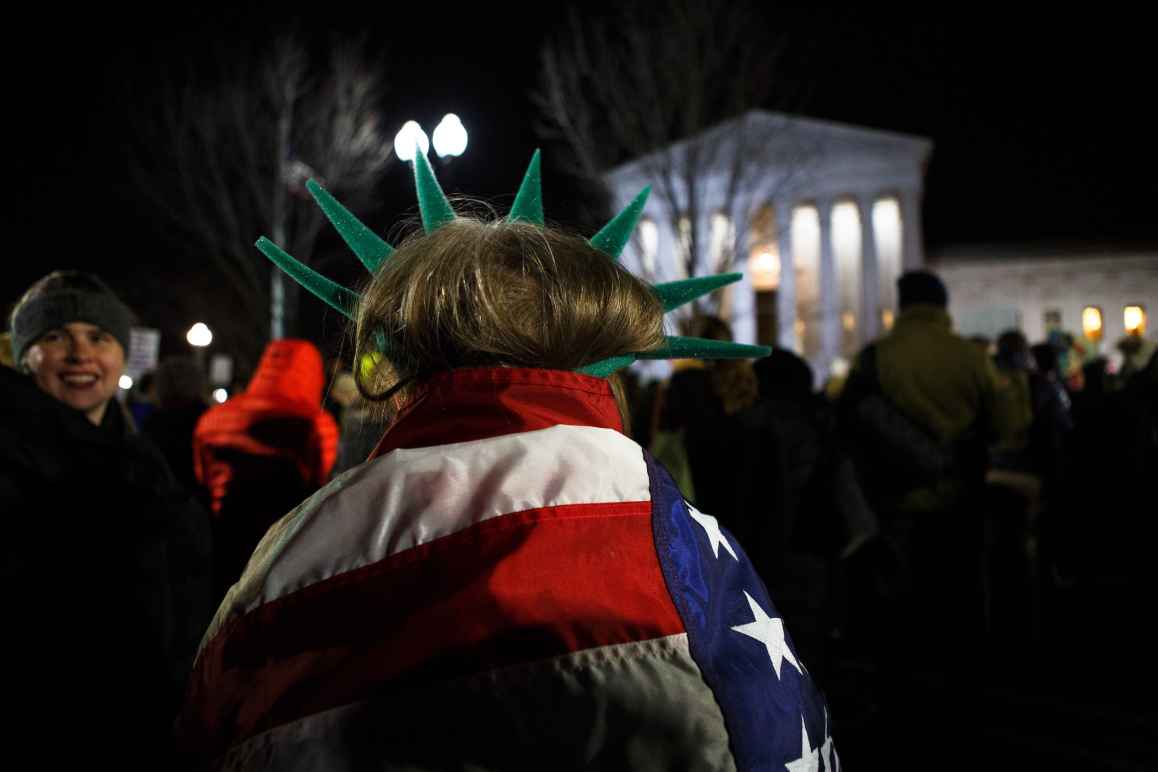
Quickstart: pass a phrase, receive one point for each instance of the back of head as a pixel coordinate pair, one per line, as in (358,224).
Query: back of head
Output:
(63,297)
(1045,357)
(474,294)
(179,382)
(290,371)
(921,287)
(784,375)
(1013,350)
(733,380)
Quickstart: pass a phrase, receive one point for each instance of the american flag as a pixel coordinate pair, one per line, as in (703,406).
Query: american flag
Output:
(530,592)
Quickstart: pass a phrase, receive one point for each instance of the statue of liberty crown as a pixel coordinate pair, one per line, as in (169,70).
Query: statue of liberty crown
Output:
(436,211)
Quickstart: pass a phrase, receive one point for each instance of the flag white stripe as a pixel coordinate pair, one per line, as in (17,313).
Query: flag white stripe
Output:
(413,496)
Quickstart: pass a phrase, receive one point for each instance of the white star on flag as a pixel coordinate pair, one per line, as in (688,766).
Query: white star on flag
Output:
(827,750)
(712,528)
(809,760)
(769,632)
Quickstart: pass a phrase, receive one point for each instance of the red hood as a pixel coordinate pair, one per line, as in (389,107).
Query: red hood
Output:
(289,371)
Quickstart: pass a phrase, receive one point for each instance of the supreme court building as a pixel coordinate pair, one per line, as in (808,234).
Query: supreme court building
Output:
(823,220)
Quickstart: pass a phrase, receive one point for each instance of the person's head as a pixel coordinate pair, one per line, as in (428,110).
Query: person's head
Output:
(783,375)
(70,332)
(476,293)
(179,382)
(1045,357)
(921,288)
(1013,351)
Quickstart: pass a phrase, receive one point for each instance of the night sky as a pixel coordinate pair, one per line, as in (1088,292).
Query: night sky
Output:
(1038,125)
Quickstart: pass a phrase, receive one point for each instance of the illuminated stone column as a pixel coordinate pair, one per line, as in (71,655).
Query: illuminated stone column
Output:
(741,297)
(912,251)
(829,306)
(870,309)
(786,295)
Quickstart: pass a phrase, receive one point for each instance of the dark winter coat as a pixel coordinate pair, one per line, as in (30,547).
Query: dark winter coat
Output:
(105,584)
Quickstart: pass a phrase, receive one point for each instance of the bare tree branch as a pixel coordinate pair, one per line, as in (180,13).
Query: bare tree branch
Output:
(650,85)
(225,158)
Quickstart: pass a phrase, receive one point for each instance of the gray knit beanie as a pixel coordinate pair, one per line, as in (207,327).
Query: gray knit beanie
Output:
(63,297)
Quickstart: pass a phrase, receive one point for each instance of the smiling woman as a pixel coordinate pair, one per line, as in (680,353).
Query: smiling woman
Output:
(70,333)
(106,604)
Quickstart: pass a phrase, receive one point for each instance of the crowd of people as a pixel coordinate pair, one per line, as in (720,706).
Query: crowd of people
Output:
(936,500)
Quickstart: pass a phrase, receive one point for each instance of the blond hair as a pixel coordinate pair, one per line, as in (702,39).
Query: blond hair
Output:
(475,294)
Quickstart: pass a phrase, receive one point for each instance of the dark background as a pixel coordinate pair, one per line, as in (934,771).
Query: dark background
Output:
(1040,126)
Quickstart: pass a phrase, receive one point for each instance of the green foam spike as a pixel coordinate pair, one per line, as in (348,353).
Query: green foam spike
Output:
(370,248)
(674,294)
(432,203)
(682,347)
(605,367)
(528,206)
(614,235)
(339,298)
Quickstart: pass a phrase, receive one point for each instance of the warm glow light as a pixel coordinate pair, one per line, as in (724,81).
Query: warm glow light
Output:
(848,321)
(887,318)
(199,335)
(1134,318)
(220,395)
(1092,322)
(449,137)
(764,268)
(125,382)
(409,136)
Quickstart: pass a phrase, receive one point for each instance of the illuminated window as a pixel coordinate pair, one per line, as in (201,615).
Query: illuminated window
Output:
(1092,322)
(648,244)
(723,237)
(1134,319)
(806,258)
(846,248)
(887,227)
(764,255)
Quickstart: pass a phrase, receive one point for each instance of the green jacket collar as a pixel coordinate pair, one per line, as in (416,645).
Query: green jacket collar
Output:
(923,315)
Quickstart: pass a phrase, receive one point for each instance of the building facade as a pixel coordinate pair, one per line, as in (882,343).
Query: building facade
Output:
(1098,292)
(821,218)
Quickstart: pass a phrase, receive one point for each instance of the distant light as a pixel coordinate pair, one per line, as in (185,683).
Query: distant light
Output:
(199,335)
(1092,322)
(840,367)
(449,136)
(764,268)
(125,382)
(220,395)
(1134,318)
(410,135)
(887,318)
(848,321)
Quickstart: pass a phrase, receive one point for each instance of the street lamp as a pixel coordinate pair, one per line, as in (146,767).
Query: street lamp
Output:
(450,137)
(408,138)
(199,335)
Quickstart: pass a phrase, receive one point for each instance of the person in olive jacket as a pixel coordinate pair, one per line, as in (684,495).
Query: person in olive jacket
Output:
(106,560)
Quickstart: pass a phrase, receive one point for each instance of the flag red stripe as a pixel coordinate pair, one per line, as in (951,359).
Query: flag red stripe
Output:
(516,588)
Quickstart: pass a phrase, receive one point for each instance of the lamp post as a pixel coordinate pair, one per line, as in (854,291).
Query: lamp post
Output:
(199,337)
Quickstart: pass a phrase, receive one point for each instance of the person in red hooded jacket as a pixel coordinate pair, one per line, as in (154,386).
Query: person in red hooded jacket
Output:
(264,451)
